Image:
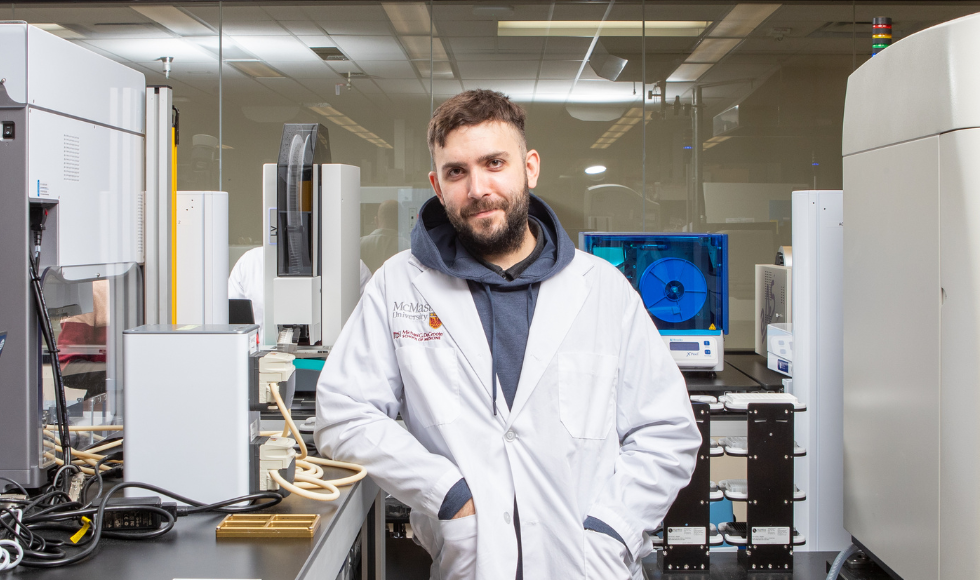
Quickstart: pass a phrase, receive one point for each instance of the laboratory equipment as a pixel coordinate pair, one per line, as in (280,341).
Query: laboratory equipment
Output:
(815,361)
(202,257)
(312,219)
(71,169)
(683,282)
(773,301)
(189,423)
(910,287)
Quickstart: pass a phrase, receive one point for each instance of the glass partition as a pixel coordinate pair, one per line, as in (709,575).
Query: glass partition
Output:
(649,116)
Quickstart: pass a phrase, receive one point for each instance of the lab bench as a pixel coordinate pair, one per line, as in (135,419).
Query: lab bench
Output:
(192,550)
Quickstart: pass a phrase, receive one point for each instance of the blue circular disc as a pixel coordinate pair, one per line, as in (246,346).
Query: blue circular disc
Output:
(673,289)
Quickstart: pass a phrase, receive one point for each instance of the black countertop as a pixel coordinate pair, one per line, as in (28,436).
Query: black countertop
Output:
(192,550)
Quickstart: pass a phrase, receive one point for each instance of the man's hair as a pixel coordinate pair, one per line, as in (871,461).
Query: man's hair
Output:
(472,108)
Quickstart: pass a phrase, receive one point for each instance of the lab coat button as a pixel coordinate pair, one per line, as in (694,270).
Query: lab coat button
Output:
(506,517)
(510,436)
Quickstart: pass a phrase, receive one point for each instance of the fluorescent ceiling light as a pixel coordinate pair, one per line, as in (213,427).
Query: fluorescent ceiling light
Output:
(742,20)
(688,72)
(712,50)
(255,69)
(588,28)
(277,48)
(346,122)
(418,48)
(57,30)
(440,69)
(620,128)
(723,38)
(595,169)
(408,18)
(175,20)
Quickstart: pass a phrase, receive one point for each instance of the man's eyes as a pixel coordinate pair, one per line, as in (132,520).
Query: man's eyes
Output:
(458,171)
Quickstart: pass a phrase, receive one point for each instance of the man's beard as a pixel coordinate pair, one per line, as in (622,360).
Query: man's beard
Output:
(504,240)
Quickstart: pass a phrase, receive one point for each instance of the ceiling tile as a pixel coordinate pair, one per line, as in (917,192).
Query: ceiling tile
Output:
(388,69)
(146,50)
(268,28)
(401,86)
(232,14)
(559,69)
(273,49)
(356,27)
(370,47)
(301,27)
(328,13)
(305,70)
(498,70)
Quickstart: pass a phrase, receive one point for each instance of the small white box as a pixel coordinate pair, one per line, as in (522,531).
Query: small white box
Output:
(297,301)
(188,421)
(780,365)
(780,340)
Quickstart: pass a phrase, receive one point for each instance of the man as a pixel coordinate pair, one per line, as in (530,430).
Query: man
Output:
(547,427)
(382,243)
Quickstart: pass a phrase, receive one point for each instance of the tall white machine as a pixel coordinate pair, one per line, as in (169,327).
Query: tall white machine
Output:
(312,218)
(911,286)
(71,179)
(202,257)
(818,238)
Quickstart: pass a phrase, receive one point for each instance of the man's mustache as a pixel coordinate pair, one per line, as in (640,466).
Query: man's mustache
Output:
(484,205)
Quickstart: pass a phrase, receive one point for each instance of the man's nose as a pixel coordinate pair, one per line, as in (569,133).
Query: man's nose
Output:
(480,184)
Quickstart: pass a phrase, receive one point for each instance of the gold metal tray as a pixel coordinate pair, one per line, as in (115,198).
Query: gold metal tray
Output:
(268,526)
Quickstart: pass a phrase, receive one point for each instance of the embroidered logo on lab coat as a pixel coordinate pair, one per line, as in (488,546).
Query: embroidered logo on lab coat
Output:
(434,321)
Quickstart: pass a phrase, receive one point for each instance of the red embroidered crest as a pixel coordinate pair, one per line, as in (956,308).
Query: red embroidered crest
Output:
(434,321)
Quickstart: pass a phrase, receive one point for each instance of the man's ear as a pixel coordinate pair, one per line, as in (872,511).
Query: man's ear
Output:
(434,180)
(532,163)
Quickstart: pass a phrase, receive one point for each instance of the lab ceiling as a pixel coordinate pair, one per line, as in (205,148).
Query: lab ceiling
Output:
(272,64)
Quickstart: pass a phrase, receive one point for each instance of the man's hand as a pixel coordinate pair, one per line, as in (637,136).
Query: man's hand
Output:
(468,509)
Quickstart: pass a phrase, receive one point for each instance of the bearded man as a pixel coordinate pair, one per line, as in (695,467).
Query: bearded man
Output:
(546,427)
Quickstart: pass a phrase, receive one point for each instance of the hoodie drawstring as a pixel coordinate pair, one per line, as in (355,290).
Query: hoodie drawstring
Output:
(493,357)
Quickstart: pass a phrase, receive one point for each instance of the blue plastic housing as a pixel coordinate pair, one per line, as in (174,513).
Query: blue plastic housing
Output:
(682,278)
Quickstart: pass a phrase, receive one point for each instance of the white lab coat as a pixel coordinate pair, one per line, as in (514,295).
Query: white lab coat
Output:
(247,282)
(601,424)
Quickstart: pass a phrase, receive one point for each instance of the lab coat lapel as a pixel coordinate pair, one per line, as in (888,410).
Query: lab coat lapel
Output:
(559,301)
(450,299)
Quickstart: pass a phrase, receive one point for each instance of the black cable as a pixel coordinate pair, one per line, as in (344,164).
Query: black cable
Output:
(18,486)
(61,403)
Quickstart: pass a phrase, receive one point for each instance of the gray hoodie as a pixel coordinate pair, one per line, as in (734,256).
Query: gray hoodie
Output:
(505,300)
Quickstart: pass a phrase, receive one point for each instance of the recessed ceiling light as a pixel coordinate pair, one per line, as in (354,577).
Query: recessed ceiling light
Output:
(608,28)
(595,169)
(255,69)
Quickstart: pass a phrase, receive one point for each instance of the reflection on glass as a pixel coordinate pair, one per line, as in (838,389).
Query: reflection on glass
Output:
(88,317)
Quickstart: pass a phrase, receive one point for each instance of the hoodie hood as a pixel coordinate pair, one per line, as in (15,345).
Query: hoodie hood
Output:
(436,245)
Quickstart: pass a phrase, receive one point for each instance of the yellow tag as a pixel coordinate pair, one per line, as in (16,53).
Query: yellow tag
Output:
(712,327)
(87,523)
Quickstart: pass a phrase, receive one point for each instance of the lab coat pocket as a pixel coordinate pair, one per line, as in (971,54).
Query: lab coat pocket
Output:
(605,557)
(431,379)
(587,393)
(457,560)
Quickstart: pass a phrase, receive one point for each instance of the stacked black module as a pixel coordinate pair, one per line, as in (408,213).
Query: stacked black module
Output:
(769,491)
(687,533)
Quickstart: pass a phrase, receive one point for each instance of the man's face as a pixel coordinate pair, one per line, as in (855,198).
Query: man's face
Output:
(483,178)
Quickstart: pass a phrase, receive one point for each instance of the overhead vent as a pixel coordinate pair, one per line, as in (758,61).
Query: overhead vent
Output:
(329,53)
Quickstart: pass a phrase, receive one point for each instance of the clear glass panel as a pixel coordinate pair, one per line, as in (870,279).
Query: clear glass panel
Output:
(88,316)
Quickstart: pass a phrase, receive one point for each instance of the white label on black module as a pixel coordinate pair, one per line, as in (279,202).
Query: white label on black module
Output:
(687,536)
(769,536)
